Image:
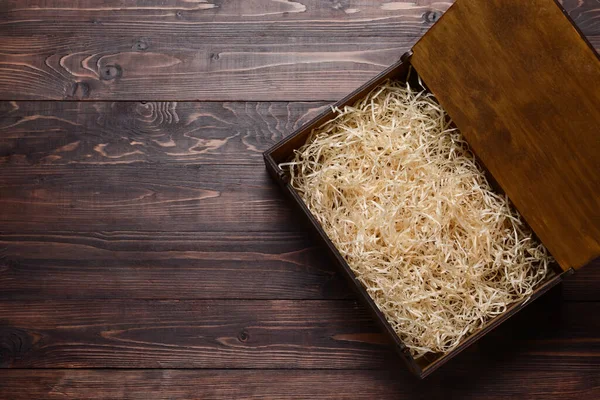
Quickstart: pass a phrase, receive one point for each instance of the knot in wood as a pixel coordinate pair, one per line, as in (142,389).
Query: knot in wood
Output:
(243,336)
(141,45)
(14,344)
(431,16)
(110,72)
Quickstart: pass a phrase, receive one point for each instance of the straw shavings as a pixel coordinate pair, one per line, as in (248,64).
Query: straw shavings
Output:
(403,199)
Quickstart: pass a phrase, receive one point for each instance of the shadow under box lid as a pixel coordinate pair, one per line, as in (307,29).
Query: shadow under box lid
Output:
(523,86)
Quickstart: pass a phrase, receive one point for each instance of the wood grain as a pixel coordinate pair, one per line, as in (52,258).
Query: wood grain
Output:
(69,230)
(269,334)
(464,383)
(111,133)
(213,50)
(525,95)
(145,234)
(162,265)
(221,11)
(189,334)
(583,285)
(153,198)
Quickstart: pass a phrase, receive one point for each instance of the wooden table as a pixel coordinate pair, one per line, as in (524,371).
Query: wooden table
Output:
(144,252)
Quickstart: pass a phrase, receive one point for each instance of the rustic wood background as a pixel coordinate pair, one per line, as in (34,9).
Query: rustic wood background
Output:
(144,252)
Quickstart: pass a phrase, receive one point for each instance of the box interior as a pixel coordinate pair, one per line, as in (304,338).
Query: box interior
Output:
(284,151)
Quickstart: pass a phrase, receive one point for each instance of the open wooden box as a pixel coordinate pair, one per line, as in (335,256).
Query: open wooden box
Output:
(523,86)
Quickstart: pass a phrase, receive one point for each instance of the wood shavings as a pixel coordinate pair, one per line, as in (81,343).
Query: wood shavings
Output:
(403,199)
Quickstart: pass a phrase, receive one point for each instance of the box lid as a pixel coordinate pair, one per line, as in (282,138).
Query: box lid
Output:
(523,86)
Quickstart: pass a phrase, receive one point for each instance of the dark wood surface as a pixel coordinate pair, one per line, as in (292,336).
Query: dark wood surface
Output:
(213,49)
(145,253)
(252,384)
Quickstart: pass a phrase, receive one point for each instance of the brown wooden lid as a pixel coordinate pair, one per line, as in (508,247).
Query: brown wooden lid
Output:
(523,86)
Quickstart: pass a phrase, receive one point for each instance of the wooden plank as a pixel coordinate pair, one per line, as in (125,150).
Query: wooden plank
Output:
(163,265)
(211,11)
(237,50)
(268,334)
(189,334)
(92,198)
(525,95)
(583,285)
(106,133)
(473,383)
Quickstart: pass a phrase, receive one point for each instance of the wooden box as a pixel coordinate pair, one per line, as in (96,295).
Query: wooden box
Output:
(523,86)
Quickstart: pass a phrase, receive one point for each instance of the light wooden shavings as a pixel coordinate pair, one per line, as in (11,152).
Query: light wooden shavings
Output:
(403,199)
